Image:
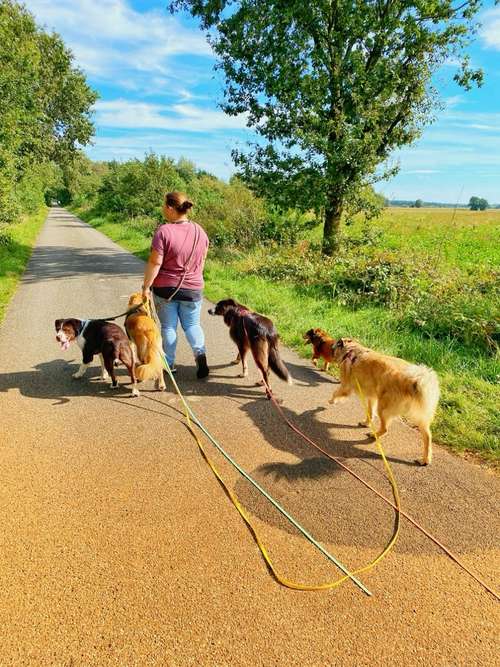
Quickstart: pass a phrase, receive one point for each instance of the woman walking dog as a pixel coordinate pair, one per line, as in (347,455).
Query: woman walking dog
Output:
(174,273)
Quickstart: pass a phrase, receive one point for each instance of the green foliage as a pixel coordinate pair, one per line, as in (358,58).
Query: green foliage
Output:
(16,244)
(137,188)
(478,204)
(331,88)
(230,212)
(44,108)
(439,305)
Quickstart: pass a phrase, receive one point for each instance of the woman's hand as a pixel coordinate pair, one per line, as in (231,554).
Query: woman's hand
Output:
(146,294)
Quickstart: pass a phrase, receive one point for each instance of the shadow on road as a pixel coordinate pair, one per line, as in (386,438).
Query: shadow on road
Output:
(52,380)
(323,497)
(63,263)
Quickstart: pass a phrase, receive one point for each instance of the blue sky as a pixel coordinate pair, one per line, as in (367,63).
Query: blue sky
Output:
(158,91)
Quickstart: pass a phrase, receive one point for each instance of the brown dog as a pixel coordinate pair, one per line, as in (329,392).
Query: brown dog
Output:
(322,346)
(390,385)
(255,332)
(143,332)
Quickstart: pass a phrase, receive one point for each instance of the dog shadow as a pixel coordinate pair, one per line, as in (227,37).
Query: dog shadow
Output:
(310,375)
(53,381)
(320,494)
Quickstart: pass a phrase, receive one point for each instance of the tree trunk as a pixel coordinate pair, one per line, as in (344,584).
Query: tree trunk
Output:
(331,228)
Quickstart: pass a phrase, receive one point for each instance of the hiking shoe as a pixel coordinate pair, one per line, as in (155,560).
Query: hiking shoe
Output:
(202,369)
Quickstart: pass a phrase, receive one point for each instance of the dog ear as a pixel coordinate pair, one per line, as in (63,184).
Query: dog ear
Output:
(57,324)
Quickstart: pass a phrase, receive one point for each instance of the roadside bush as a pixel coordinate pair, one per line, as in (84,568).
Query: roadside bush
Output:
(6,238)
(136,188)
(441,305)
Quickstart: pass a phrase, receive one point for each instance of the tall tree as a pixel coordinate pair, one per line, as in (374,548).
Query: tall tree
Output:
(331,87)
(45,102)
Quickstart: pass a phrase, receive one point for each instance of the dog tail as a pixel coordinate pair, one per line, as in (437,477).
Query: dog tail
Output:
(152,366)
(426,387)
(277,365)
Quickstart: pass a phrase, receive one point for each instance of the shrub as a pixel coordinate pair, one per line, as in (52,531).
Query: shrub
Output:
(136,188)
(442,305)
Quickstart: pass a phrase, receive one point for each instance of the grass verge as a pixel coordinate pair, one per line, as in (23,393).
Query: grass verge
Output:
(15,254)
(467,419)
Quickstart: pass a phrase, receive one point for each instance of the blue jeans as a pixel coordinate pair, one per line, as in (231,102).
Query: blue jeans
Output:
(188,312)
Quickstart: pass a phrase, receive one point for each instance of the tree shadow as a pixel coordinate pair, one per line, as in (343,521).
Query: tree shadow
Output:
(63,263)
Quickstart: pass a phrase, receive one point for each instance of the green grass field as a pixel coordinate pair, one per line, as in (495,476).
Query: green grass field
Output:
(15,255)
(461,238)
(467,420)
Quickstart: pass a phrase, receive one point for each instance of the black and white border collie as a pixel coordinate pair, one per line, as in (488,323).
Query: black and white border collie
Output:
(98,337)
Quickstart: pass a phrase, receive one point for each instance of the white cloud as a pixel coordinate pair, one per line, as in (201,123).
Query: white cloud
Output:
(422,171)
(453,101)
(126,114)
(490,32)
(108,37)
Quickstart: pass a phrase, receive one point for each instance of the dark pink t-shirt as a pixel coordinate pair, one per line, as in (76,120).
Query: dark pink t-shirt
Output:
(174,241)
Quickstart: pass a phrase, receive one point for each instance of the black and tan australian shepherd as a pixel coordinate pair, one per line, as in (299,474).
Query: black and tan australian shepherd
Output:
(98,337)
(254,332)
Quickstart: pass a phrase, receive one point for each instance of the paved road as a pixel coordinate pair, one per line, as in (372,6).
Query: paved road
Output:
(118,546)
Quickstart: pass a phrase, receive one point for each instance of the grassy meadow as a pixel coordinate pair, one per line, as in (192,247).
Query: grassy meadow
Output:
(16,244)
(448,259)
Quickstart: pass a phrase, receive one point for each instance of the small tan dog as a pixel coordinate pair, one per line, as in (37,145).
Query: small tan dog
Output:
(143,332)
(322,346)
(392,386)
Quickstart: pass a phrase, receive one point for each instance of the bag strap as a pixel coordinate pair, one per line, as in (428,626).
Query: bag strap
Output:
(188,262)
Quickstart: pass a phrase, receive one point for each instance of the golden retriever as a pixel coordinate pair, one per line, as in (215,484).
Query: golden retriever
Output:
(143,332)
(390,385)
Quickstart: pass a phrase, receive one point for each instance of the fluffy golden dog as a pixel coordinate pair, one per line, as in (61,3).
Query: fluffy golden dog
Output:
(322,346)
(391,386)
(143,332)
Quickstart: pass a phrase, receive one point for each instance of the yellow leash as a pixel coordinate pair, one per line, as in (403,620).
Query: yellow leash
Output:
(150,307)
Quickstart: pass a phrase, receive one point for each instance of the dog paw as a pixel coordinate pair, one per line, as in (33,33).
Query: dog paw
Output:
(135,393)
(77,376)
(243,375)
(332,401)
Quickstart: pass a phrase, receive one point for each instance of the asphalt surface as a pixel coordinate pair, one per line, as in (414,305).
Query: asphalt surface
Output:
(119,547)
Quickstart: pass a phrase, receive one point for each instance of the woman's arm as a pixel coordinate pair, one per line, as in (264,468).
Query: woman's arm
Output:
(152,268)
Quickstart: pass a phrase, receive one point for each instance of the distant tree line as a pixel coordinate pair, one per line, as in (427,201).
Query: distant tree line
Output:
(475,204)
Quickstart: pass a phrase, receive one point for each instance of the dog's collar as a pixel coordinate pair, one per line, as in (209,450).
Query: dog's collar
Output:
(84,325)
(349,356)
